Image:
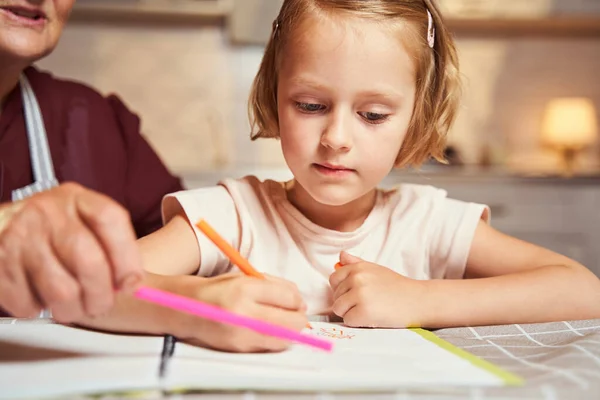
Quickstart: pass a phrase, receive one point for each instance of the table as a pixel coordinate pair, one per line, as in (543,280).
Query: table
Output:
(558,360)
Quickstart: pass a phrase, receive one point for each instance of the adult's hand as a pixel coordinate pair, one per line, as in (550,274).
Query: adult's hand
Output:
(68,250)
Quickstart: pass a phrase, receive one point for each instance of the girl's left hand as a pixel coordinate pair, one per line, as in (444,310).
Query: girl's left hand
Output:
(369,295)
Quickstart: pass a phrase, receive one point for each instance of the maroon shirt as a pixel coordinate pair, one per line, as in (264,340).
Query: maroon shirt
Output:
(94,140)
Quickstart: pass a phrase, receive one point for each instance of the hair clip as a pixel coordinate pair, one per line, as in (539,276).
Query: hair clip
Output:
(275,28)
(430,30)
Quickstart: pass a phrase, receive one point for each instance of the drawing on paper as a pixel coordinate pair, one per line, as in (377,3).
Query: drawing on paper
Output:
(334,333)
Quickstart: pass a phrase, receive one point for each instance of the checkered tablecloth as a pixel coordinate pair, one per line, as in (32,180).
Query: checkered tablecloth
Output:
(559,360)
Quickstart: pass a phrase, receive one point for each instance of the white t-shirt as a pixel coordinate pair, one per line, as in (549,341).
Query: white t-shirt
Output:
(414,230)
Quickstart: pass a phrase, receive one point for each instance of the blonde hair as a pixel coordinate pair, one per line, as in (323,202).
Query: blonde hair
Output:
(438,81)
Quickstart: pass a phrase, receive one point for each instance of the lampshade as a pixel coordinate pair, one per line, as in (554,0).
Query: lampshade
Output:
(569,122)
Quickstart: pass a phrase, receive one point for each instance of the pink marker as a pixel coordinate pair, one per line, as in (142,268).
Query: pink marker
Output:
(213,313)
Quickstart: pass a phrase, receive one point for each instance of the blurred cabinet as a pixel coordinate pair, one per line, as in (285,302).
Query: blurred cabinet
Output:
(199,11)
(250,21)
(559,214)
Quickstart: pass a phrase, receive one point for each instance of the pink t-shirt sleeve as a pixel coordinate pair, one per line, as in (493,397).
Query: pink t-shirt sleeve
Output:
(215,205)
(452,235)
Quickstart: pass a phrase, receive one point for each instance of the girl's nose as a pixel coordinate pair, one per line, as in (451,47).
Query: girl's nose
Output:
(336,135)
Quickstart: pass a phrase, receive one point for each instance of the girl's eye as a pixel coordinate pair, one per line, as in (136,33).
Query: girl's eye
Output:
(373,118)
(310,107)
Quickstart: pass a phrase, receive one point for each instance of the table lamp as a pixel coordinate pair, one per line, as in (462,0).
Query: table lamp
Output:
(569,125)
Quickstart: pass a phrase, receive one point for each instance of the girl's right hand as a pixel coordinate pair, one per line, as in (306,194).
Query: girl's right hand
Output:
(272,300)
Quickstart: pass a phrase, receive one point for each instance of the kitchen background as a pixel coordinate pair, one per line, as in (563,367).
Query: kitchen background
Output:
(186,66)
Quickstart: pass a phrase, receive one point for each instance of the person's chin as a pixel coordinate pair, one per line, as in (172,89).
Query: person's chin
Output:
(333,196)
(29,47)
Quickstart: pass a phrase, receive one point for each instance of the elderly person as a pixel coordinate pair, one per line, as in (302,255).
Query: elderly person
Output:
(67,246)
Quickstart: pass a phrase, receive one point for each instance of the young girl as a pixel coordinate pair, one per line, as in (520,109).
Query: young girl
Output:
(352,90)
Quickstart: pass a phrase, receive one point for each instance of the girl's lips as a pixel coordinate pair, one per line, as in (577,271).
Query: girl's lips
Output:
(334,166)
(333,170)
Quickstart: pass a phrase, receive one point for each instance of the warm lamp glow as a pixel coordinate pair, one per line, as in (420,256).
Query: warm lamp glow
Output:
(569,123)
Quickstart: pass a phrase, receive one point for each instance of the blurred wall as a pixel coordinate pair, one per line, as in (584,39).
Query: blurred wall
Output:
(190,85)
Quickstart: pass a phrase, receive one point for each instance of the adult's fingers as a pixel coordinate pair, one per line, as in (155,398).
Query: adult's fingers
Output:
(72,246)
(55,287)
(16,295)
(83,257)
(111,225)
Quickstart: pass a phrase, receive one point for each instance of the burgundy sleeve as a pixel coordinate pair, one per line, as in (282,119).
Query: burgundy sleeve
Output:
(147,178)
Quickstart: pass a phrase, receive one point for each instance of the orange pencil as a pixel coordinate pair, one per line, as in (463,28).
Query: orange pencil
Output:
(231,253)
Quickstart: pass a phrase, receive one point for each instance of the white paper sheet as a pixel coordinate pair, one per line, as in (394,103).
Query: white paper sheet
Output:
(363,359)
(54,360)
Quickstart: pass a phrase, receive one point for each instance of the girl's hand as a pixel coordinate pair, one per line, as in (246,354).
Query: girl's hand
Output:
(369,295)
(272,300)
